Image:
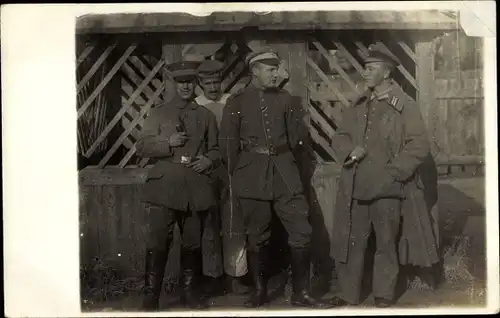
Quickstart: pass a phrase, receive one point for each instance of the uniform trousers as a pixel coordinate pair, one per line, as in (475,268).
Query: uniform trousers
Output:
(162,222)
(292,210)
(384,216)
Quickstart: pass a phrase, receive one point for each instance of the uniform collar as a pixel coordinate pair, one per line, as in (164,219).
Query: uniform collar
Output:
(383,94)
(393,95)
(203,100)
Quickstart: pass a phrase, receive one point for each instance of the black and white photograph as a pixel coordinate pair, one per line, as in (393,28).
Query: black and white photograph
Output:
(250,161)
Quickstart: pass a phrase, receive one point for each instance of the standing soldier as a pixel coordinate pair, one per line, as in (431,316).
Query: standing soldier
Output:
(381,142)
(234,240)
(182,136)
(258,131)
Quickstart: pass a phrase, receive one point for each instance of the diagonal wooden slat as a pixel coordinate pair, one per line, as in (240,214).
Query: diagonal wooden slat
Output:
(323,143)
(408,51)
(403,70)
(330,85)
(149,62)
(143,163)
(335,65)
(127,131)
(362,48)
(348,55)
(85,53)
(240,68)
(141,71)
(131,84)
(321,121)
(326,109)
(186,48)
(105,80)
(124,108)
(95,67)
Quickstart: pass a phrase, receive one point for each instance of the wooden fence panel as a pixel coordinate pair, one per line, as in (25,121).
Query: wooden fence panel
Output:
(114,228)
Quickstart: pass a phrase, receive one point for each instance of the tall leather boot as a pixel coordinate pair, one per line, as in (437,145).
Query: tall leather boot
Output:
(154,272)
(301,264)
(257,263)
(191,271)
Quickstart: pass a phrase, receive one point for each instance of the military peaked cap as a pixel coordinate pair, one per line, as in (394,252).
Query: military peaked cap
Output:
(264,55)
(210,69)
(380,53)
(185,70)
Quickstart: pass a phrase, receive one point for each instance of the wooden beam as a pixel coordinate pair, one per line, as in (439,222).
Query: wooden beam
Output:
(124,108)
(115,176)
(426,95)
(297,69)
(442,159)
(234,21)
(171,53)
(106,80)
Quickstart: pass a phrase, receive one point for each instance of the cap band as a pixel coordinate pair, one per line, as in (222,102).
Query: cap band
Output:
(264,56)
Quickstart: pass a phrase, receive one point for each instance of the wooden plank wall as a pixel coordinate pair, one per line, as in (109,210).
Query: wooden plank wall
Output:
(113,229)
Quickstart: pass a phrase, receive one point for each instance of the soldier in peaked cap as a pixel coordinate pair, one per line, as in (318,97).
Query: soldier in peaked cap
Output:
(258,132)
(182,137)
(381,143)
(227,211)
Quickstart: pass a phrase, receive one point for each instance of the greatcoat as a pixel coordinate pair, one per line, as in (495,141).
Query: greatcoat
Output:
(393,173)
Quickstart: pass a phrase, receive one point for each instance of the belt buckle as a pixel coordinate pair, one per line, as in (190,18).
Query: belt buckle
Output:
(185,159)
(272,150)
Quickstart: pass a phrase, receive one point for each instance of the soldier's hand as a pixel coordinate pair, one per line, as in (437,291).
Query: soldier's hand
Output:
(201,164)
(177,139)
(355,156)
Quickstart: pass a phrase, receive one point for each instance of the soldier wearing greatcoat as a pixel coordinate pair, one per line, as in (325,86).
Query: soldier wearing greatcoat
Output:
(381,143)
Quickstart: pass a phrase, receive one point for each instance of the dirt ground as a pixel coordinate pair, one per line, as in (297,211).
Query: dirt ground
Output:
(462,220)
(447,295)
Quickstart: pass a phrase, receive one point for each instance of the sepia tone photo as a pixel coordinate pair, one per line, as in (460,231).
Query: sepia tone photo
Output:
(280,160)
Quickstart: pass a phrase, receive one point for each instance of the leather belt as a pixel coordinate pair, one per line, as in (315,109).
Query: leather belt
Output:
(270,151)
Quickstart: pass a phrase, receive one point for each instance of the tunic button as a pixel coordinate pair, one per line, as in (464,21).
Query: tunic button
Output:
(268,129)
(267,122)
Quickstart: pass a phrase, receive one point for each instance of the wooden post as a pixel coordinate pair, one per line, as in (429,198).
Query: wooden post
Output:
(171,52)
(424,51)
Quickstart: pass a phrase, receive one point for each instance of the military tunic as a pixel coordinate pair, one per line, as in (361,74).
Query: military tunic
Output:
(175,191)
(390,128)
(255,121)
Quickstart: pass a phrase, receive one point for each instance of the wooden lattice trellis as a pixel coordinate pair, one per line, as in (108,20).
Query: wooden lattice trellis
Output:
(331,86)
(141,86)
